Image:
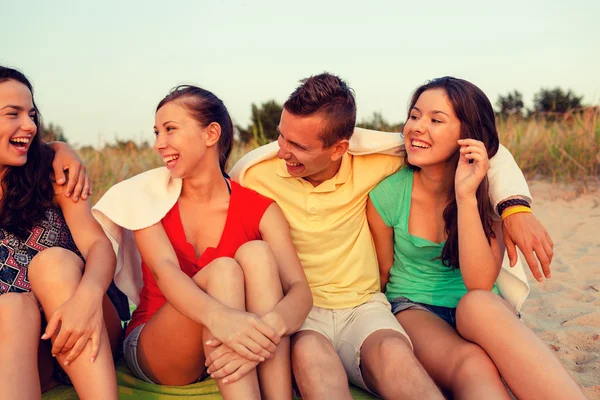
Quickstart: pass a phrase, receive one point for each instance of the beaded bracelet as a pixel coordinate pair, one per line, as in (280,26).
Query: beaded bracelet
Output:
(514,210)
(511,202)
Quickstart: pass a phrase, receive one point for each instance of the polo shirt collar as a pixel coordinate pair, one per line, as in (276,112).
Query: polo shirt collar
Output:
(329,185)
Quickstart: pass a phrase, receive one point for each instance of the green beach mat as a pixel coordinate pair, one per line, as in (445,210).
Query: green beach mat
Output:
(131,388)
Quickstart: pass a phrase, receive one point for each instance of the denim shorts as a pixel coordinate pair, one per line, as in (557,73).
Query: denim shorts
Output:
(130,346)
(445,313)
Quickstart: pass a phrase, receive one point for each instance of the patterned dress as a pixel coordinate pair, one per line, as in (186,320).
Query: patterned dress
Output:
(17,252)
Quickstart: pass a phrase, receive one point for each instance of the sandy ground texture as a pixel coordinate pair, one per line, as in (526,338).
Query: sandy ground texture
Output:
(565,310)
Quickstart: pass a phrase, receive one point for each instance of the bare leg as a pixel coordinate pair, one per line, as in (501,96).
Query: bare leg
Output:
(317,367)
(524,361)
(456,365)
(263,292)
(55,274)
(391,370)
(20,324)
(171,350)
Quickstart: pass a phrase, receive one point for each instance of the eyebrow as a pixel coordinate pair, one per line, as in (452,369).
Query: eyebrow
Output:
(18,108)
(293,143)
(165,123)
(434,111)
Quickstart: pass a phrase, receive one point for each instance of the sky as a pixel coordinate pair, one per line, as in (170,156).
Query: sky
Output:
(100,68)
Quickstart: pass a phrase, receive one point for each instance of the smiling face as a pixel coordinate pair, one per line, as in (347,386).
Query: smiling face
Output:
(181,141)
(17,126)
(301,147)
(432,130)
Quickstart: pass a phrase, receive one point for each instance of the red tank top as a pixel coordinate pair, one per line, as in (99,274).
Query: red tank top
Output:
(246,209)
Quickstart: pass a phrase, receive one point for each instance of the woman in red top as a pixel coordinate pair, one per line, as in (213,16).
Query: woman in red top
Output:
(223,285)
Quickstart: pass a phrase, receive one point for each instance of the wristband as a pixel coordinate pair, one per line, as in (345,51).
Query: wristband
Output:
(515,210)
(511,202)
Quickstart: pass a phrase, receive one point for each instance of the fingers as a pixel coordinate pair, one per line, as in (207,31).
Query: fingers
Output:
(240,373)
(217,365)
(548,246)
(74,170)
(87,188)
(216,354)
(78,191)
(256,344)
(269,332)
(540,252)
(52,326)
(533,264)
(76,350)
(95,346)
(59,342)
(59,173)
(511,250)
(214,342)
(244,352)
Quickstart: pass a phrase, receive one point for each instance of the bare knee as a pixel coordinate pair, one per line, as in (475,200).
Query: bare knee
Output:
(255,253)
(53,266)
(469,361)
(19,315)
(311,352)
(477,309)
(223,270)
(387,350)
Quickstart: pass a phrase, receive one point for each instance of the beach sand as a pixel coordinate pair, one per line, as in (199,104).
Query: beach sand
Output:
(564,311)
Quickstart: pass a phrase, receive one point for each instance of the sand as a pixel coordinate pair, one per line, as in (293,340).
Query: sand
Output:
(565,310)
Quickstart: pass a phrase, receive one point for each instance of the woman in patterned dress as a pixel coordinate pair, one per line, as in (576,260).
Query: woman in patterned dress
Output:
(56,265)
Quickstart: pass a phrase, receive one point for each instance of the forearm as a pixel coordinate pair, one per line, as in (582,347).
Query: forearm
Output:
(506,179)
(478,265)
(100,262)
(294,308)
(185,296)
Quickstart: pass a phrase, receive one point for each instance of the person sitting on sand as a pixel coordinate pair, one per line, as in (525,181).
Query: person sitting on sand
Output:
(320,173)
(56,265)
(440,255)
(221,277)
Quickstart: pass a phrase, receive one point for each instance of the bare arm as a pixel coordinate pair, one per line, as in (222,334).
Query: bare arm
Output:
(383,237)
(81,317)
(479,262)
(479,265)
(297,301)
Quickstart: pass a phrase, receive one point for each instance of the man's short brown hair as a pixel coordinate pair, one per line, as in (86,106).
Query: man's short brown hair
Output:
(330,96)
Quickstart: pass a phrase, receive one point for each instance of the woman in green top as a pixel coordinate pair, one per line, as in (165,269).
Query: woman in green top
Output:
(440,257)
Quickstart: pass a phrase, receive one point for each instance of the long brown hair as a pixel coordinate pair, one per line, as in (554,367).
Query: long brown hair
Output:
(477,121)
(27,190)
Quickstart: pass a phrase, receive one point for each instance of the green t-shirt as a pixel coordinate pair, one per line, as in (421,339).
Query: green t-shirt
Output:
(417,273)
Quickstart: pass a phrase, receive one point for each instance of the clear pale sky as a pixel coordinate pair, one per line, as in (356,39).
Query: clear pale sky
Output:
(99,68)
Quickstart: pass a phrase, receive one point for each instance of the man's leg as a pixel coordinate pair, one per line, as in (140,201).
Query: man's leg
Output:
(385,363)
(317,367)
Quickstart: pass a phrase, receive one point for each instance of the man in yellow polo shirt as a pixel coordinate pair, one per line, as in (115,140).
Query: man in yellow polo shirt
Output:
(350,334)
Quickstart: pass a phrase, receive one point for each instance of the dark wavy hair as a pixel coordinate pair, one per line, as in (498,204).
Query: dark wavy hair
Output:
(27,190)
(205,108)
(477,121)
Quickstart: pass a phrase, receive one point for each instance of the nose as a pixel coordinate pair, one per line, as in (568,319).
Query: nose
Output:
(419,126)
(282,153)
(160,142)
(28,125)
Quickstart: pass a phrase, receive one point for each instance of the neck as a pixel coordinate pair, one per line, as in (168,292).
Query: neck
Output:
(437,180)
(204,186)
(326,174)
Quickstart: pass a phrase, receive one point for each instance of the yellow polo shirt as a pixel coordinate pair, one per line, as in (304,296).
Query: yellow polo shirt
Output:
(329,224)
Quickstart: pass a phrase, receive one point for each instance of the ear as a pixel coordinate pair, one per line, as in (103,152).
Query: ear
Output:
(339,149)
(213,133)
